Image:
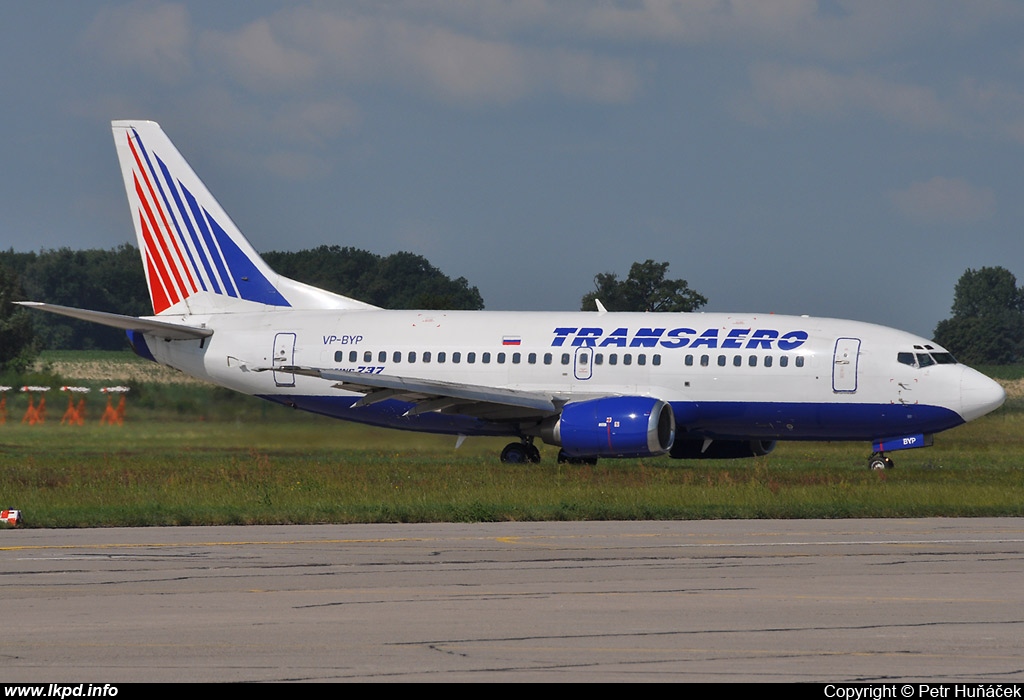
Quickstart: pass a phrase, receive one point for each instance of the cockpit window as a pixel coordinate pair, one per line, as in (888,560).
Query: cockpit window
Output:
(924,359)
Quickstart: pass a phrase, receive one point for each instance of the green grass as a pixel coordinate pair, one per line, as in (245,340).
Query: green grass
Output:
(1010,372)
(50,356)
(315,470)
(191,454)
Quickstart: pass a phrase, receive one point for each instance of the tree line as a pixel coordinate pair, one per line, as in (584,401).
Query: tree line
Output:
(986,325)
(987,322)
(113,280)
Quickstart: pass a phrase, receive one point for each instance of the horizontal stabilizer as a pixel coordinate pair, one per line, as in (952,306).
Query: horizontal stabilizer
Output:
(159,329)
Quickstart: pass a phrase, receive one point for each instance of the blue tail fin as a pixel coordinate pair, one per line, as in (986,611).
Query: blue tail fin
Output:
(196,259)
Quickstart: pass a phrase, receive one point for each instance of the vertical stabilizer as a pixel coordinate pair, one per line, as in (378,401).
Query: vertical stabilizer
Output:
(196,260)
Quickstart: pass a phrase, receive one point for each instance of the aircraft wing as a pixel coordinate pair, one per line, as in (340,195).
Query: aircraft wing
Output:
(485,402)
(160,329)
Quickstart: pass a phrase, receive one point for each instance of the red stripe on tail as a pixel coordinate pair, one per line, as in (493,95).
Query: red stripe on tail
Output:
(167,227)
(156,291)
(159,281)
(168,265)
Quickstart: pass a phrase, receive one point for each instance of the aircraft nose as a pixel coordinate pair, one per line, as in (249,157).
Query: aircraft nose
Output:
(978,394)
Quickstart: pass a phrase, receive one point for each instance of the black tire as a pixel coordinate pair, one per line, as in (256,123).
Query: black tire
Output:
(515,453)
(879,462)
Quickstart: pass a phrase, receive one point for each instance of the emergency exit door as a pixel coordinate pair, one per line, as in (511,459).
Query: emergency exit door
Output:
(284,356)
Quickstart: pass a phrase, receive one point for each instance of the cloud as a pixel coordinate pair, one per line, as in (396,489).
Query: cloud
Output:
(255,58)
(944,201)
(993,106)
(149,37)
(450,63)
(781,92)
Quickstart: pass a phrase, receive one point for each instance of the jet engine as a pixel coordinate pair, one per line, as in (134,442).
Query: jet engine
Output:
(616,426)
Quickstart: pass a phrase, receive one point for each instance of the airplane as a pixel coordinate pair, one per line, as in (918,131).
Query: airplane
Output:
(595,384)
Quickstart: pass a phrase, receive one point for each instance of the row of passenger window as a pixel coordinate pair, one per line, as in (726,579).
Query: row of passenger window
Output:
(456,357)
(752,360)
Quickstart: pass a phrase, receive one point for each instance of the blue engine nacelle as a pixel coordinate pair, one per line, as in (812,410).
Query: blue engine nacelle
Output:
(617,426)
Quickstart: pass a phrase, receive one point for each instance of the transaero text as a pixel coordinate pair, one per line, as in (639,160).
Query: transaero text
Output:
(712,338)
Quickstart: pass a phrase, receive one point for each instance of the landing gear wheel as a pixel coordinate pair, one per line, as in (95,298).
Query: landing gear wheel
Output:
(532,453)
(879,462)
(515,453)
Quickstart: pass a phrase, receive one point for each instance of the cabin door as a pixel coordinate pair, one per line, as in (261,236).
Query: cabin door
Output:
(284,356)
(844,365)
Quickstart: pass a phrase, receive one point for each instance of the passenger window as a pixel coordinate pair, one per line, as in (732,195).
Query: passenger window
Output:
(547,358)
(532,358)
(486,358)
(599,359)
(412,356)
(613,359)
(353,356)
(737,361)
(752,360)
(382,357)
(641,359)
(516,357)
(396,356)
(426,356)
(784,361)
(470,357)
(721,360)
(799,360)
(501,358)
(688,361)
(705,360)
(656,360)
(441,357)
(565,358)
(627,359)
(767,360)
(338,356)
(456,357)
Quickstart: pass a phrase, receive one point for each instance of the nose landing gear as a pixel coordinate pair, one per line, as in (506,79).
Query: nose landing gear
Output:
(878,462)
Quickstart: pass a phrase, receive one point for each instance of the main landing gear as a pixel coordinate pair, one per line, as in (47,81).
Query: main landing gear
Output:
(878,461)
(524,452)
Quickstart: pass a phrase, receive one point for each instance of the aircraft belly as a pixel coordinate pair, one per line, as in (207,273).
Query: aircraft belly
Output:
(810,421)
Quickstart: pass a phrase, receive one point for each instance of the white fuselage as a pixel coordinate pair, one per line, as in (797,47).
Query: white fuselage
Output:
(726,375)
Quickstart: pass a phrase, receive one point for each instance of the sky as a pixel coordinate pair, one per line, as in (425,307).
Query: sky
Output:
(821,157)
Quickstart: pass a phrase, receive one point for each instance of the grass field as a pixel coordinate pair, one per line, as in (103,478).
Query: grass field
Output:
(192,454)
